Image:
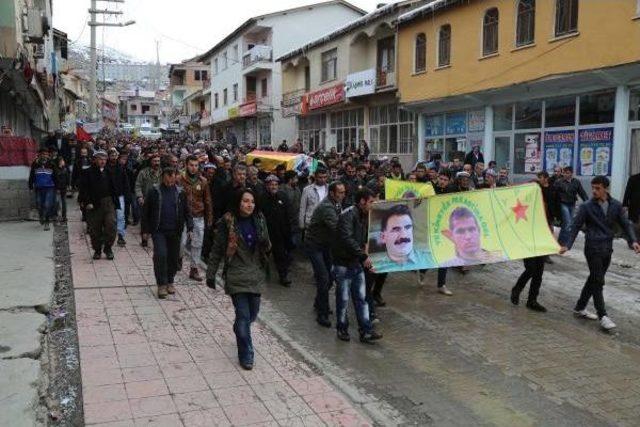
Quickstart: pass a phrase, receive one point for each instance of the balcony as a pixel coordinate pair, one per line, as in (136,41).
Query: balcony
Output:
(259,57)
(385,79)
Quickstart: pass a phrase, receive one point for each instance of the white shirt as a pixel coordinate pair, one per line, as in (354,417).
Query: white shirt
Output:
(322,191)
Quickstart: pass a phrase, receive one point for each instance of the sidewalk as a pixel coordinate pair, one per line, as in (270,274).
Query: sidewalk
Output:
(174,362)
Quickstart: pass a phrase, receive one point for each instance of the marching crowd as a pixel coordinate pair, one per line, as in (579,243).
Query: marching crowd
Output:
(204,203)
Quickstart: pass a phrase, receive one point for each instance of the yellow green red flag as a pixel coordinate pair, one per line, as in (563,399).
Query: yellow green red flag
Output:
(395,189)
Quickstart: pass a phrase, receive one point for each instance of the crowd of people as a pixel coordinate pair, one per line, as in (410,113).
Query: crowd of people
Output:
(204,203)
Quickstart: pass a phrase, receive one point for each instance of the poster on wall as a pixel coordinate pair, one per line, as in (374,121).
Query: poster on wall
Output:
(456,123)
(476,121)
(558,149)
(433,125)
(532,153)
(595,151)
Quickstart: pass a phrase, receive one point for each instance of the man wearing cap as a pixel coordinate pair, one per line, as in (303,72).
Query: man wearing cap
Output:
(165,214)
(277,211)
(198,196)
(121,189)
(97,195)
(147,178)
(490,179)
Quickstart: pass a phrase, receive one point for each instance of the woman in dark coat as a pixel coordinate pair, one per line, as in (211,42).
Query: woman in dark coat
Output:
(242,245)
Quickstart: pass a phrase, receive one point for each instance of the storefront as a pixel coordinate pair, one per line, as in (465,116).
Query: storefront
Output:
(391,130)
(450,135)
(312,131)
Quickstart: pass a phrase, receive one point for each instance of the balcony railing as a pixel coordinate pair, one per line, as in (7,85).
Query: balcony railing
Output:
(259,53)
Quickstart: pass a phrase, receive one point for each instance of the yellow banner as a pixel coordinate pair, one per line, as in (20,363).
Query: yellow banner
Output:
(467,228)
(396,190)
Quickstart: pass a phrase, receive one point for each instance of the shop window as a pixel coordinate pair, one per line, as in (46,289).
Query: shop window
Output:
(528,115)
(560,112)
(526,153)
(420,57)
(503,117)
(329,65)
(490,32)
(347,126)
(444,46)
(566,17)
(597,108)
(634,105)
(525,25)
(391,130)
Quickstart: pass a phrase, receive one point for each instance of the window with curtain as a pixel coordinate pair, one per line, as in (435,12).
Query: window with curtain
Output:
(421,53)
(490,32)
(444,45)
(525,25)
(566,17)
(329,65)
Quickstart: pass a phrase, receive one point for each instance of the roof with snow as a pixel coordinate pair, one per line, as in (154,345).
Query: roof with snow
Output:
(249,22)
(380,12)
(426,9)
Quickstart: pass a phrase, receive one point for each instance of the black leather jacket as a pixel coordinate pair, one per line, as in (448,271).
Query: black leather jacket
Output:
(351,238)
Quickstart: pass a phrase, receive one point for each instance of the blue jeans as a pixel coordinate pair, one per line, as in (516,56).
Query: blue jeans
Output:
(120,221)
(566,211)
(46,200)
(247,306)
(351,283)
(320,259)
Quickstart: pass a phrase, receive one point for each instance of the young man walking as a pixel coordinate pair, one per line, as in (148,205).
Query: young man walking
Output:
(598,215)
(196,189)
(165,214)
(121,190)
(147,178)
(42,180)
(568,190)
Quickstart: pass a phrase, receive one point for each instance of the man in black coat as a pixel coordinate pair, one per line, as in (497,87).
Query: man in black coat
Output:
(97,196)
(474,156)
(223,193)
(60,144)
(277,211)
(598,215)
(631,200)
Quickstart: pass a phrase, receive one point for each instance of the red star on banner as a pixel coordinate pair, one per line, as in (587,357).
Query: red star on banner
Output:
(520,210)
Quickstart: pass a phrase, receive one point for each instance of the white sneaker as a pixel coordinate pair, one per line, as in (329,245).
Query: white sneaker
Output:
(444,291)
(606,323)
(584,314)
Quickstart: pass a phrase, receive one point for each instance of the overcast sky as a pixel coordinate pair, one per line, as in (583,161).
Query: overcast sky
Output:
(183,27)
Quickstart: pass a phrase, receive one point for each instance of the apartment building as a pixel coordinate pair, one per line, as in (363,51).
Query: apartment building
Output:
(342,87)
(535,83)
(139,107)
(246,86)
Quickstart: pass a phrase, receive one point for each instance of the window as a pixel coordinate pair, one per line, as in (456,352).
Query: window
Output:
(203,75)
(529,115)
(597,108)
(215,66)
(386,55)
(263,87)
(225,99)
(215,101)
(134,107)
(391,130)
(196,75)
(634,106)
(235,92)
(307,78)
(566,17)
(225,60)
(145,108)
(525,25)
(348,128)
(560,112)
(521,143)
(235,53)
(311,130)
(444,46)
(503,117)
(420,59)
(329,65)
(490,32)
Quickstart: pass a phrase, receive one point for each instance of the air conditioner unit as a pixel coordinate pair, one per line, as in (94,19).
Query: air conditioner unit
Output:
(35,29)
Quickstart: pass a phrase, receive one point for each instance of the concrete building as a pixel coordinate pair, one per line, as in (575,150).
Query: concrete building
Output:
(186,78)
(342,87)
(138,107)
(246,85)
(535,84)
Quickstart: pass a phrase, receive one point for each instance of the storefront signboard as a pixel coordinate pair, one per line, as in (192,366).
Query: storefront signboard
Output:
(595,151)
(325,97)
(249,109)
(456,123)
(558,149)
(532,153)
(360,83)
(476,121)
(292,104)
(433,126)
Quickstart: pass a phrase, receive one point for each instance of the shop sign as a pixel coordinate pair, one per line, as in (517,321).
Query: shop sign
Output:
(233,112)
(476,121)
(456,123)
(249,109)
(595,151)
(360,83)
(433,126)
(558,149)
(532,153)
(292,104)
(325,97)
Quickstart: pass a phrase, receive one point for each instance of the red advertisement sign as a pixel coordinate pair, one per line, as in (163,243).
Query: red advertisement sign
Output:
(249,109)
(17,151)
(324,97)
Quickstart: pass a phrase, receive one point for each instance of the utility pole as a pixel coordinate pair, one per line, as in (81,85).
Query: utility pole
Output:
(93,23)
